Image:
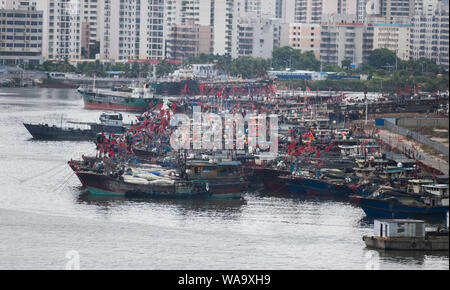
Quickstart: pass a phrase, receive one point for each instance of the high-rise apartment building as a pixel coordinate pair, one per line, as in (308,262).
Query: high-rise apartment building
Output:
(361,7)
(225,21)
(346,7)
(135,29)
(257,37)
(389,11)
(395,37)
(21,30)
(430,35)
(61,29)
(189,40)
(152,30)
(262,8)
(90,24)
(308,11)
(301,36)
(345,39)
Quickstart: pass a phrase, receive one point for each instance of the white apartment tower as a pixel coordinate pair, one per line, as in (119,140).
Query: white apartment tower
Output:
(61,29)
(430,35)
(345,7)
(361,8)
(134,29)
(90,15)
(308,11)
(152,30)
(20,33)
(257,36)
(180,12)
(262,8)
(225,21)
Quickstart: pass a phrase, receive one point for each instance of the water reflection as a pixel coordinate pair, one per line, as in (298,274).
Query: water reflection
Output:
(408,257)
(185,206)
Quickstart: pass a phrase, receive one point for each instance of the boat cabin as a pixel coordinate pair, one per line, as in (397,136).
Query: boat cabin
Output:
(439,194)
(111,119)
(399,228)
(437,189)
(415,185)
(205,169)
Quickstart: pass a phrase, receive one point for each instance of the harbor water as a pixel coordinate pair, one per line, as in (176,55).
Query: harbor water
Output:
(45,216)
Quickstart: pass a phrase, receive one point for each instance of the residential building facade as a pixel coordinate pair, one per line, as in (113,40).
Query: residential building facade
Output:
(61,29)
(21,31)
(395,37)
(345,39)
(302,36)
(430,36)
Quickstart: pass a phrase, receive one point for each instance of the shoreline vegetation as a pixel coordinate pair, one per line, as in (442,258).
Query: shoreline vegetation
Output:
(386,73)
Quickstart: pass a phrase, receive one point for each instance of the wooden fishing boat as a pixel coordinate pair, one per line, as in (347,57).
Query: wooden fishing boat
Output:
(135,187)
(224,178)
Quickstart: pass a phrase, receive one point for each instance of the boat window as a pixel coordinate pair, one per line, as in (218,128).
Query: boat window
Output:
(400,228)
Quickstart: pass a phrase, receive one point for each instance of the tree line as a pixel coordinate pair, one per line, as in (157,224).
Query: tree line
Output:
(387,72)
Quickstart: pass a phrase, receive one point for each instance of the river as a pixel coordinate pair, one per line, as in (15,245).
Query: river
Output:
(45,215)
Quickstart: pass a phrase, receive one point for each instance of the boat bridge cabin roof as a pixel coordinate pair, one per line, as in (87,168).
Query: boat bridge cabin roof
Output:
(391,221)
(207,163)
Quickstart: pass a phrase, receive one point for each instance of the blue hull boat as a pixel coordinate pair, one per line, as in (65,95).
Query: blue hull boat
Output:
(315,187)
(400,208)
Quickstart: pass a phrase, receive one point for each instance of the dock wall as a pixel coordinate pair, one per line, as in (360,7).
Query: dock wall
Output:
(391,126)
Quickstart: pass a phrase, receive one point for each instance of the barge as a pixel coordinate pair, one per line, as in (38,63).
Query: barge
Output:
(406,235)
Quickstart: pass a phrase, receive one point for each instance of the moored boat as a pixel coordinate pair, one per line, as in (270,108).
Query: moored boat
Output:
(139,100)
(135,187)
(400,208)
(223,178)
(406,235)
(110,123)
(316,187)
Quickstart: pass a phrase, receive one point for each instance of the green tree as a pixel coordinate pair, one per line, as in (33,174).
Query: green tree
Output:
(380,58)
(94,48)
(284,57)
(164,68)
(346,63)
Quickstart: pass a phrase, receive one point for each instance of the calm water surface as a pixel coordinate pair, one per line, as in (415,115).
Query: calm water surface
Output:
(44,213)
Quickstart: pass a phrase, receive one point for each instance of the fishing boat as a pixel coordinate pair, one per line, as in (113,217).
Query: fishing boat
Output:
(138,187)
(401,208)
(223,178)
(268,177)
(315,187)
(139,100)
(109,123)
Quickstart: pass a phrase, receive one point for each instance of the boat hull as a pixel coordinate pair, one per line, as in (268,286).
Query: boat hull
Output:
(379,208)
(313,187)
(118,103)
(101,185)
(224,188)
(439,243)
(45,132)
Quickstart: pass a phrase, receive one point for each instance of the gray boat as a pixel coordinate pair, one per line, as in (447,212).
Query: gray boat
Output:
(109,123)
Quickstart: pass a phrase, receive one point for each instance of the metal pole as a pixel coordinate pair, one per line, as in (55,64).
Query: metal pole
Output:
(365,98)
